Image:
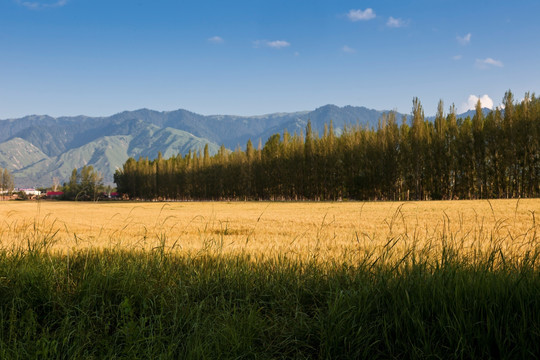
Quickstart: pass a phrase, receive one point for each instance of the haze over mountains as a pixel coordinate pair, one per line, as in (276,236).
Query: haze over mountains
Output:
(38,148)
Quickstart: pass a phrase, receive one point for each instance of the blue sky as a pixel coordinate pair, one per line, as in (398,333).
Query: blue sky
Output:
(99,57)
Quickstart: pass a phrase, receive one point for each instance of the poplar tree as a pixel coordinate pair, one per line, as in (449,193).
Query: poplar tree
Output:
(6,182)
(417,140)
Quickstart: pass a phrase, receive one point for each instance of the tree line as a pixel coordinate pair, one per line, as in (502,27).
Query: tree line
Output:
(496,155)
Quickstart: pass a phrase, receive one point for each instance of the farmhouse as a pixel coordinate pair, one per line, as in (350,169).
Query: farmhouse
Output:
(30,192)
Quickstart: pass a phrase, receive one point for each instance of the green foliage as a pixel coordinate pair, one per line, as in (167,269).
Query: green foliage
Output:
(492,156)
(84,184)
(116,304)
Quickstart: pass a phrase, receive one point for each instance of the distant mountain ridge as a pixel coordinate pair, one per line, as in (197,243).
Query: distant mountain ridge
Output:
(37,148)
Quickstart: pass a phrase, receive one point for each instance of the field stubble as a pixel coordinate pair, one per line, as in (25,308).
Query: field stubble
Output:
(342,232)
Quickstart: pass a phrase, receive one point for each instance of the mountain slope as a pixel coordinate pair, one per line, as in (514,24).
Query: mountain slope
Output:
(104,154)
(108,153)
(16,154)
(168,141)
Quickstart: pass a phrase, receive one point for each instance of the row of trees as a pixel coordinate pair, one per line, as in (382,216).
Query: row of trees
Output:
(6,182)
(486,156)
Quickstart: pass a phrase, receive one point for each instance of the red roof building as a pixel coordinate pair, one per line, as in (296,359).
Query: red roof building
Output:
(53,194)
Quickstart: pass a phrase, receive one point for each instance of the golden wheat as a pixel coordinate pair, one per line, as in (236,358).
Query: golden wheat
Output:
(330,230)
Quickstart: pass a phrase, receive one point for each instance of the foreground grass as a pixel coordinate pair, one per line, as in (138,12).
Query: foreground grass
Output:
(153,304)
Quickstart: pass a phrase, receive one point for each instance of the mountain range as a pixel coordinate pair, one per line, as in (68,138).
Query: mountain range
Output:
(37,148)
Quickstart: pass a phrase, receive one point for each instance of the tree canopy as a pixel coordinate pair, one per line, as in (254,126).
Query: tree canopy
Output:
(84,184)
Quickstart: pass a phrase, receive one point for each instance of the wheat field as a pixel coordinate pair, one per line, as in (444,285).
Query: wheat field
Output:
(329,230)
(182,280)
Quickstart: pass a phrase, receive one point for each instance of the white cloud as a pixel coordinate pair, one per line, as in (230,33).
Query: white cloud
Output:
(216,40)
(278,44)
(358,15)
(485,100)
(348,49)
(395,22)
(275,44)
(36,5)
(457,57)
(487,62)
(464,40)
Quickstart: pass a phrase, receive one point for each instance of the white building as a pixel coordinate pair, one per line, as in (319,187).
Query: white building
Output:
(30,192)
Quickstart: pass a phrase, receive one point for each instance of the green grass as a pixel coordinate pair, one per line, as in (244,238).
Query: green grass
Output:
(120,304)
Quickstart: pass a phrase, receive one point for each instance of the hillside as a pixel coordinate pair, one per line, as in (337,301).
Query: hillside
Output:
(32,167)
